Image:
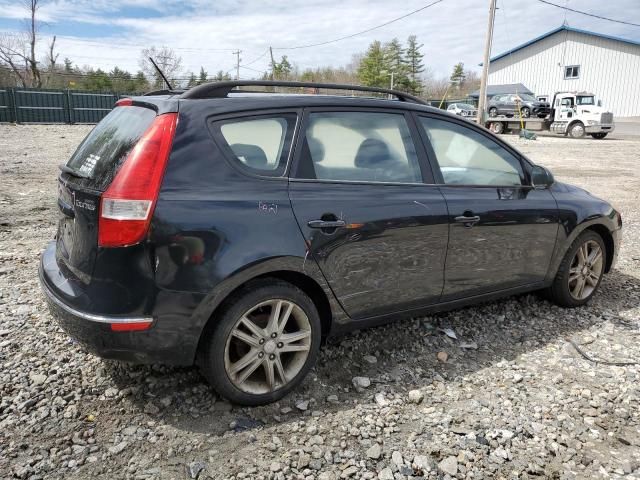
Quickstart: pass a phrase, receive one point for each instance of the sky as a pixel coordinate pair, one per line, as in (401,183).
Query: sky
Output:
(106,33)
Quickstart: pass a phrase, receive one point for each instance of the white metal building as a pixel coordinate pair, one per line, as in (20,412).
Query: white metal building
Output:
(568,59)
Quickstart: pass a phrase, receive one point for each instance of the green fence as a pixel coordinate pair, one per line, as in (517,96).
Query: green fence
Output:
(31,105)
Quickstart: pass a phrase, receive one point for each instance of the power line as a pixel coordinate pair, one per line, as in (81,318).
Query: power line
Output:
(590,14)
(363,31)
(256,59)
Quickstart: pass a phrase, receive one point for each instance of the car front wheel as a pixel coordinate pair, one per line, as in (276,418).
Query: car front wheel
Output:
(266,340)
(580,272)
(526,113)
(493,112)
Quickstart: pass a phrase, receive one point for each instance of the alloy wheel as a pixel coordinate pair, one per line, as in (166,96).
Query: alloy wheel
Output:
(586,269)
(268,346)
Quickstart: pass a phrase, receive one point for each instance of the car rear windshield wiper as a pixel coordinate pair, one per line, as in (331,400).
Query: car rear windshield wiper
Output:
(73,172)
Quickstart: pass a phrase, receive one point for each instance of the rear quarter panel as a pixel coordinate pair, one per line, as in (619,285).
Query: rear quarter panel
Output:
(214,228)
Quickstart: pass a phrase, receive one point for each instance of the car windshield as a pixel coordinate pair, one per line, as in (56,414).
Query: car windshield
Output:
(526,98)
(586,100)
(465,106)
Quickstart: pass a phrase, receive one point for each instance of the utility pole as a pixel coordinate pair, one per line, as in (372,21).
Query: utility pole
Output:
(237,54)
(273,63)
(482,101)
(392,73)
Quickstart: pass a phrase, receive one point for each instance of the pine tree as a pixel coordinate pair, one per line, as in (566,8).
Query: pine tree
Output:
(282,69)
(394,59)
(413,59)
(193,81)
(458,75)
(202,78)
(372,70)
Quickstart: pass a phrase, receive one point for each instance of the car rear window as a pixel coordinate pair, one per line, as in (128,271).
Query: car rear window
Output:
(101,153)
(258,144)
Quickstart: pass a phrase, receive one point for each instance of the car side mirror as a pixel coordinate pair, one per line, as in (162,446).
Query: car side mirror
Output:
(541,177)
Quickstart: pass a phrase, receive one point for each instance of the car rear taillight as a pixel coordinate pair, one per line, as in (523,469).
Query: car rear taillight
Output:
(127,205)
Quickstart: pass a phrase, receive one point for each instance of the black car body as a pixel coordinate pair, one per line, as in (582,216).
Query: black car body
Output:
(365,243)
(508,104)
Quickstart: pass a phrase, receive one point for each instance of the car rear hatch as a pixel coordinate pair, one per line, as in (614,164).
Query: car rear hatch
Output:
(86,177)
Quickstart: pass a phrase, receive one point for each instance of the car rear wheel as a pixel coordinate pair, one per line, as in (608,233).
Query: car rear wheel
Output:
(576,130)
(493,112)
(580,272)
(599,135)
(525,112)
(265,342)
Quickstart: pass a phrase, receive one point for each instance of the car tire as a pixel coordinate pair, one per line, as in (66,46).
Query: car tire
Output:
(525,112)
(599,135)
(244,335)
(493,112)
(576,130)
(496,127)
(566,289)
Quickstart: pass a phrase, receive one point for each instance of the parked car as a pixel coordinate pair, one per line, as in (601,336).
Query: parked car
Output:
(463,109)
(235,231)
(508,105)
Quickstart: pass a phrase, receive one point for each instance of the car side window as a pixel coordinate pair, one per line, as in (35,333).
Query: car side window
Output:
(467,157)
(358,146)
(260,144)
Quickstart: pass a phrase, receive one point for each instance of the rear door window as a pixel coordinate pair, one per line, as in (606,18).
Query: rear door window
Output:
(258,144)
(101,153)
(359,146)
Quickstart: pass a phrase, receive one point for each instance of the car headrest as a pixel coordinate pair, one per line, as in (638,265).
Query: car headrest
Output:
(372,153)
(253,155)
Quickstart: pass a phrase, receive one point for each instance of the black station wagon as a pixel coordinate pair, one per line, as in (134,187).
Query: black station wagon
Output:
(235,230)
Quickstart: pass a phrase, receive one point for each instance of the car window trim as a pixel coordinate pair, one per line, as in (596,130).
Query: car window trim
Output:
(425,170)
(232,160)
(524,163)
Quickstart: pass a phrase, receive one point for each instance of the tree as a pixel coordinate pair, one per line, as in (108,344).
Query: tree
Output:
(202,77)
(18,52)
(167,60)
(458,75)
(372,70)
(282,69)
(415,65)
(193,80)
(395,64)
(221,76)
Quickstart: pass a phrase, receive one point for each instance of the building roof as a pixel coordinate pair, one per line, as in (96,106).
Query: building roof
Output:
(565,28)
(500,89)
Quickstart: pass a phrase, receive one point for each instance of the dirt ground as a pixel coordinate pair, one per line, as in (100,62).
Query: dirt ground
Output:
(514,399)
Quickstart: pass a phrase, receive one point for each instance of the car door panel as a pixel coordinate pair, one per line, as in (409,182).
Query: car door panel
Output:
(386,253)
(509,246)
(390,254)
(502,232)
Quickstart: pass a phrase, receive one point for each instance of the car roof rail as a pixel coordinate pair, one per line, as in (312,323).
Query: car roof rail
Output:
(222,89)
(163,92)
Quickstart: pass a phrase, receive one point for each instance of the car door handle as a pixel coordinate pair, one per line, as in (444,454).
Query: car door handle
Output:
(468,221)
(326,223)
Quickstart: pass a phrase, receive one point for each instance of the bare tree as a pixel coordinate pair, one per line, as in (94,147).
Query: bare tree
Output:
(169,62)
(18,52)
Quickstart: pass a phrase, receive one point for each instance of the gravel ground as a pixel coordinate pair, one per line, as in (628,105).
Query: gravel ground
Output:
(509,398)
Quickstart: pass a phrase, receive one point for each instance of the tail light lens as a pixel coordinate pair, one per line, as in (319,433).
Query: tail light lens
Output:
(127,205)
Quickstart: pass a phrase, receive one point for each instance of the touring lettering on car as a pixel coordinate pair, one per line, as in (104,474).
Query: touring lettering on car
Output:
(234,229)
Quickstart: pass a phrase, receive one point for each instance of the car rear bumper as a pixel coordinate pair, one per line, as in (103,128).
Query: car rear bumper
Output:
(95,332)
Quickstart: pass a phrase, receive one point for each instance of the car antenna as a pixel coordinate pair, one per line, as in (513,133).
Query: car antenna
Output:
(161,74)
